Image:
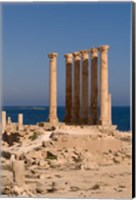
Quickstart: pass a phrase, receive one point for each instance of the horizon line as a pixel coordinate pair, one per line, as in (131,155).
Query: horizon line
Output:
(57,106)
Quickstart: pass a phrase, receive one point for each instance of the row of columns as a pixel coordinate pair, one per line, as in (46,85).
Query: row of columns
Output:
(78,112)
(6,122)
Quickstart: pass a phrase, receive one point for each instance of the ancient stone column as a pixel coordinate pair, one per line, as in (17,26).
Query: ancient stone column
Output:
(84,104)
(9,121)
(53,119)
(3,120)
(68,102)
(76,108)
(18,172)
(104,115)
(20,121)
(110,109)
(94,86)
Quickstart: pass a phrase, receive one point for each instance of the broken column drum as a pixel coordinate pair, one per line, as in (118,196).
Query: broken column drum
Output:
(3,120)
(20,121)
(18,172)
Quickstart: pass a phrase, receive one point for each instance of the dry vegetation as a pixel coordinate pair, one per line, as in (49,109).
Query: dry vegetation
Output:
(68,161)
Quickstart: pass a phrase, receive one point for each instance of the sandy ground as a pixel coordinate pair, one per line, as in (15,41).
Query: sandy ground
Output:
(68,161)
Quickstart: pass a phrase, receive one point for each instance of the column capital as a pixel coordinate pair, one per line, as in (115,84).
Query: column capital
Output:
(94,52)
(84,54)
(76,55)
(104,48)
(52,55)
(68,57)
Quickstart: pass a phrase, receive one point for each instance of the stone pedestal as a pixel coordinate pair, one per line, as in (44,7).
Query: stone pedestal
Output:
(94,87)
(110,109)
(3,120)
(20,121)
(76,107)
(18,172)
(53,89)
(68,102)
(84,104)
(104,107)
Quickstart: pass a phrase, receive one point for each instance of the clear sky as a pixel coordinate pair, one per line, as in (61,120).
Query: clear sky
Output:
(31,31)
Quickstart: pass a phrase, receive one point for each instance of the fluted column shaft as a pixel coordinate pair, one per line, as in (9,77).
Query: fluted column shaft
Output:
(76,107)
(68,100)
(110,109)
(53,89)
(94,86)
(84,107)
(104,115)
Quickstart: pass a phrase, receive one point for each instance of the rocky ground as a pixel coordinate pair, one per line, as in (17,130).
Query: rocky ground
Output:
(67,161)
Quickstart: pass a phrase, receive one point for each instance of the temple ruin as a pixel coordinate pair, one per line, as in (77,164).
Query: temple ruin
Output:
(81,76)
(80,108)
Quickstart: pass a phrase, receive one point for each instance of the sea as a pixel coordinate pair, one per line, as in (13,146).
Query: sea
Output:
(35,114)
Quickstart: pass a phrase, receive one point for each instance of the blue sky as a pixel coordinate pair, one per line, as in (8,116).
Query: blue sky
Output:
(31,31)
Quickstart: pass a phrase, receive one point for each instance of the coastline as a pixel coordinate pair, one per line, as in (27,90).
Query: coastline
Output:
(120,115)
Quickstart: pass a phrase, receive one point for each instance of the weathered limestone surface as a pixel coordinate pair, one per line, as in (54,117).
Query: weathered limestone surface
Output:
(94,86)
(18,172)
(68,115)
(9,121)
(104,115)
(3,121)
(53,89)
(110,109)
(84,106)
(76,111)
(20,121)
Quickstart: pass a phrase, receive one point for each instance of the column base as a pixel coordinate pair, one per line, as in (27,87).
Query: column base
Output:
(92,121)
(105,122)
(53,120)
(67,119)
(20,127)
(107,128)
(83,120)
(75,120)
